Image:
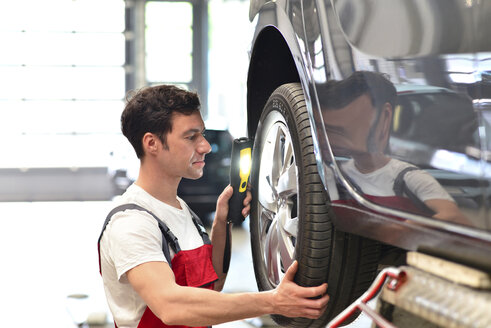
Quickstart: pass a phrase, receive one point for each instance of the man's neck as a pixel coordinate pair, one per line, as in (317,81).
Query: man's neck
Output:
(370,162)
(161,187)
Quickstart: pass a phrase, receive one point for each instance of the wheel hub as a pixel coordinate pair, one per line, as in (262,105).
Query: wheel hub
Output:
(277,192)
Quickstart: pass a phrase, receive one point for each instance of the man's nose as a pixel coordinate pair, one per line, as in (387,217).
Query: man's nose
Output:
(204,146)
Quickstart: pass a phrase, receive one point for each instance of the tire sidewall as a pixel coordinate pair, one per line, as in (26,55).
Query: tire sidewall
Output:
(279,108)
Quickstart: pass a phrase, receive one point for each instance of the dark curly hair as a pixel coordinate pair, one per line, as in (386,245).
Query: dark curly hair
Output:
(338,94)
(151,110)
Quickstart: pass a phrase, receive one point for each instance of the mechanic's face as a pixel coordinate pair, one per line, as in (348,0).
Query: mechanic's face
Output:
(186,148)
(348,128)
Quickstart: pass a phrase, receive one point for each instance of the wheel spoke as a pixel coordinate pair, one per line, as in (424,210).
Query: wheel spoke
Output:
(287,182)
(266,219)
(291,227)
(278,154)
(271,253)
(288,158)
(286,248)
(267,196)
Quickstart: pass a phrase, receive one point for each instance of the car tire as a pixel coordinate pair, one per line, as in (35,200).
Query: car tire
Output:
(290,215)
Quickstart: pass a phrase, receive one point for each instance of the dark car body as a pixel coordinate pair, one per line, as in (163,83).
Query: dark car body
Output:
(437,54)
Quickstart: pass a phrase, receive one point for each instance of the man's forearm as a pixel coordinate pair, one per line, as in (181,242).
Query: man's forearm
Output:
(174,304)
(447,210)
(201,307)
(217,237)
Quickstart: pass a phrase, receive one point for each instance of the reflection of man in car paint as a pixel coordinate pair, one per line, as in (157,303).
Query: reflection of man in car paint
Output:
(357,114)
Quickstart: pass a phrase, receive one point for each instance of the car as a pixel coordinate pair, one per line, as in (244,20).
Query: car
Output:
(370,140)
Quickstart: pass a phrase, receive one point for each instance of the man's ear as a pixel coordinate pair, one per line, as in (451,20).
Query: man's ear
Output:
(150,143)
(386,123)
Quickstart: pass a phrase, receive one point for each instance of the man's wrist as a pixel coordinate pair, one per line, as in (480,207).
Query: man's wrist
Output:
(268,303)
(220,219)
(219,223)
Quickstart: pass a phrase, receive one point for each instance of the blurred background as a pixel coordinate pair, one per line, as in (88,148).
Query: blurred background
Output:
(65,69)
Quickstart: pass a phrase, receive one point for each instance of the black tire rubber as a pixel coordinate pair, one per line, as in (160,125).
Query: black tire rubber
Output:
(348,263)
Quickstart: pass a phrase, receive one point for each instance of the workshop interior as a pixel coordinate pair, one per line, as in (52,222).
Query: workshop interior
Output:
(65,70)
(362,129)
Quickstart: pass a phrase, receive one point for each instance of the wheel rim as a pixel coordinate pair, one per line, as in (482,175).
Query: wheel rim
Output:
(277,200)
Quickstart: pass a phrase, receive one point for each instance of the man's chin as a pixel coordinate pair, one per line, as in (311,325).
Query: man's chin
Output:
(347,152)
(194,175)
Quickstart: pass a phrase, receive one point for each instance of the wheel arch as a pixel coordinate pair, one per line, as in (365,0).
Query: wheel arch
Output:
(272,64)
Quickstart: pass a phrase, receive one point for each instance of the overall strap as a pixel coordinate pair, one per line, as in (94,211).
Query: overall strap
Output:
(199,225)
(168,238)
(400,188)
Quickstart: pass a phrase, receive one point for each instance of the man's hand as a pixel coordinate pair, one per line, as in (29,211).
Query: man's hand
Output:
(292,300)
(221,213)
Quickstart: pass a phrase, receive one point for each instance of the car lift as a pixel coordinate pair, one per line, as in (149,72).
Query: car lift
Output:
(438,291)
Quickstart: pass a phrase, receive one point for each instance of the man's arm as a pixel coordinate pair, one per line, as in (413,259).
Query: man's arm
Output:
(178,305)
(448,211)
(428,189)
(219,229)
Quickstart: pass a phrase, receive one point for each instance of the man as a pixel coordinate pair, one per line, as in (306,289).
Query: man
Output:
(357,113)
(143,289)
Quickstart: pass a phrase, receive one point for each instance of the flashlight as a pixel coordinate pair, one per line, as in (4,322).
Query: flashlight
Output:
(240,168)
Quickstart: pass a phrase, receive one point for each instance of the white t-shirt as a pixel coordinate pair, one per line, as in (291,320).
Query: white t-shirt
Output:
(132,238)
(381,182)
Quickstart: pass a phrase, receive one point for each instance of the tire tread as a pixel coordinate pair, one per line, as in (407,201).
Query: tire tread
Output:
(320,245)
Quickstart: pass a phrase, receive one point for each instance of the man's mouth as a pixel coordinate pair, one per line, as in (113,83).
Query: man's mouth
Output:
(199,163)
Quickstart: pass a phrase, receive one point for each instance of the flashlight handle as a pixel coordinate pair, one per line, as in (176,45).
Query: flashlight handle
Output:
(235,207)
(238,181)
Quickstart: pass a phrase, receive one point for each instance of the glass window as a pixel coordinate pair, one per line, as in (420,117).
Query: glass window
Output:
(35,82)
(61,61)
(57,49)
(169,41)
(63,16)
(228,65)
(62,81)
(45,116)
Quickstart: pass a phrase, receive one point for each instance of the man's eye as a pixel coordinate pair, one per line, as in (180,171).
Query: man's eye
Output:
(195,136)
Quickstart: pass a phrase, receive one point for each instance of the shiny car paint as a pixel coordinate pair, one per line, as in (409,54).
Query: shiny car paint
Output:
(425,47)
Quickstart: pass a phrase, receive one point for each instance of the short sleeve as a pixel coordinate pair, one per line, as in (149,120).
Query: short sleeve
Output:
(425,186)
(134,238)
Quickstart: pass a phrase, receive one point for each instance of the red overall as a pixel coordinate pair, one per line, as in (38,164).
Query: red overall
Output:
(192,268)
(395,202)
